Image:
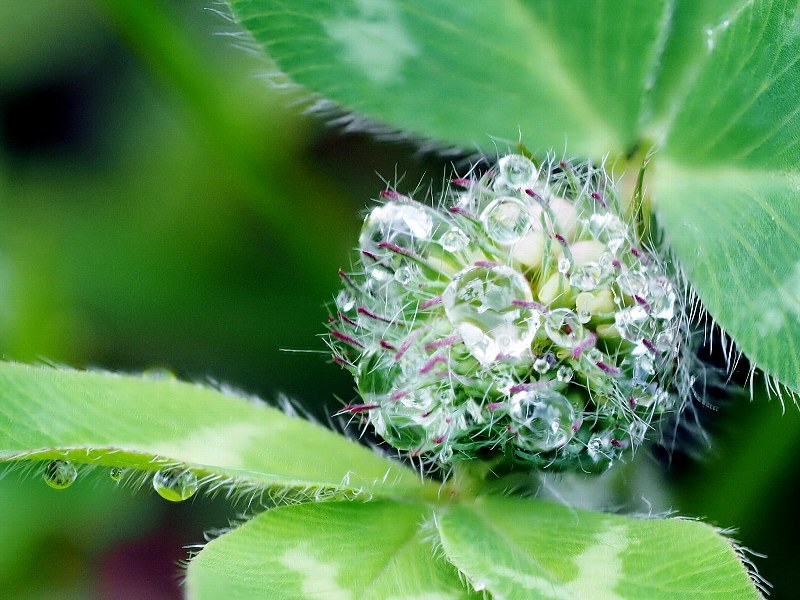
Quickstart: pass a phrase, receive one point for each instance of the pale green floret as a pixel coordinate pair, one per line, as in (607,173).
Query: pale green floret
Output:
(522,320)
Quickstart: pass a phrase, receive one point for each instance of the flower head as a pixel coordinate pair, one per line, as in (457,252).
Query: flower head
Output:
(523,318)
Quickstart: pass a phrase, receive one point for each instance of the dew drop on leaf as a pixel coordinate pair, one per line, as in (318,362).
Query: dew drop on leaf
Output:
(60,474)
(116,473)
(175,484)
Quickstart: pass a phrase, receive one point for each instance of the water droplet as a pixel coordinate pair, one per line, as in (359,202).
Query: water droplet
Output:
(637,431)
(630,322)
(565,328)
(490,309)
(515,172)
(175,484)
(380,275)
(543,420)
(599,447)
(586,277)
(584,316)
(397,223)
(610,229)
(563,265)
(632,283)
(377,376)
(404,275)
(454,240)
(665,341)
(544,363)
(506,220)
(641,367)
(662,298)
(564,374)
(116,473)
(345,301)
(60,474)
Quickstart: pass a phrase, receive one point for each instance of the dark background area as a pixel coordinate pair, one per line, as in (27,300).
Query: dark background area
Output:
(162,206)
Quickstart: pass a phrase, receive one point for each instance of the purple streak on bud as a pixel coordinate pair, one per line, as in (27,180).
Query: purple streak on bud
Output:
(577,425)
(492,406)
(457,210)
(397,249)
(349,281)
(530,304)
(561,239)
(650,346)
(448,341)
(426,368)
(643,302)
(534,195)
(590,341)
(428,303)
(371,255)
(355,409)
(485,263)
(438,440)
(397,395)
(391,194)
(531,385)
(616,263)
(463,182)
(386,345)
(368,313)
(599,199)
(341,361)
(638,254)
(632,401)
(347,339)
(347,319)
(617,444)
(406,344)
(607,368)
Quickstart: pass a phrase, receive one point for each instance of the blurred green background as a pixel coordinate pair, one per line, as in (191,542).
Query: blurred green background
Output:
(162,206)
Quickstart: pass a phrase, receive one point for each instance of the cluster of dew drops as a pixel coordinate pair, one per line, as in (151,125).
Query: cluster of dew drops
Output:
(172,483)
(522,318)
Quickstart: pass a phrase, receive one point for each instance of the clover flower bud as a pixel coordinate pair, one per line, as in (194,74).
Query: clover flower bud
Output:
(521,319)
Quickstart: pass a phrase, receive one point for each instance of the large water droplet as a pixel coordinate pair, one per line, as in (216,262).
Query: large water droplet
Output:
(662,298)
(377,375)
(454,240)
(633,283)
(544,363)
(515,172)
(506,220)
(490,307)
(116,473)
(60,474)
(564,328)
(631,322)
(543,420)
(599,448)
(175,484)
(587,277)
(345,301)
(608,228)
(564,374)
(397,223)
